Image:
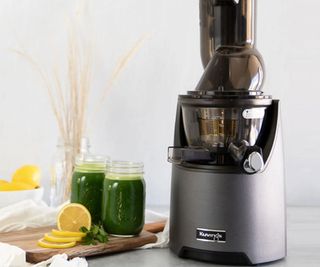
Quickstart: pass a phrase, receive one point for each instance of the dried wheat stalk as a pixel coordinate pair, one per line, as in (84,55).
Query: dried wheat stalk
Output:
(69,101)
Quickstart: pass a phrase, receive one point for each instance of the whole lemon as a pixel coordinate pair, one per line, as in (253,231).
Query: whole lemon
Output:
(28,174)
(15,186)
(3,181)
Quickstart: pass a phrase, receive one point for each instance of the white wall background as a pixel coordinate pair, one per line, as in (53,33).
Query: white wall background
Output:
(136,122)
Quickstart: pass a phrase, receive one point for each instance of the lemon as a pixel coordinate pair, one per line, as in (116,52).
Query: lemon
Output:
(3,181)
(43,243)
(67,233)
(72,217)
(28,174)
(15,186)
(61,239)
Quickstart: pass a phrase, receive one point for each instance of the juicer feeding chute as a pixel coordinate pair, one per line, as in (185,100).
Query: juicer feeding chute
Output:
(225,23)
(227,34)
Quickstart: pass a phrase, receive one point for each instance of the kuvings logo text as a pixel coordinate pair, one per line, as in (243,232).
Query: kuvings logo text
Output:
(218,236)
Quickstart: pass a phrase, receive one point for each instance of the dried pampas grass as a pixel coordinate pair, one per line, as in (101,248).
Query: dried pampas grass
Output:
(69,97)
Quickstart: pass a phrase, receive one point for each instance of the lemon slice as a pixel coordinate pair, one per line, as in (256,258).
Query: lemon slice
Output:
(67,233)
(61,239)
(28,174)
(43,243)
(72,217)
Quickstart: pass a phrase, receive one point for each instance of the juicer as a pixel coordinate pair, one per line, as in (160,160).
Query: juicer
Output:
(227,186)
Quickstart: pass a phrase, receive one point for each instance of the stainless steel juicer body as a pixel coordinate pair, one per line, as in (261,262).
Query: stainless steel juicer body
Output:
(227,188)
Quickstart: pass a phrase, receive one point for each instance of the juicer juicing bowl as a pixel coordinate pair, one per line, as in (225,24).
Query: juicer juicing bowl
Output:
(217,126)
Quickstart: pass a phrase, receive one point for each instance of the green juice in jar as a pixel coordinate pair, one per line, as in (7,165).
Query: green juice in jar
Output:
(123,200)
(87,185)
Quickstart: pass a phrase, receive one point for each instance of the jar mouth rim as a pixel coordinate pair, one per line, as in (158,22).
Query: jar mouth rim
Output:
(125,164)
(124,176)
(91,162)
(90,167)
(124,167)
(92,159)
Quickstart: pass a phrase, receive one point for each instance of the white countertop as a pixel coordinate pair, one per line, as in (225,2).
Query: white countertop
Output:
(303,247)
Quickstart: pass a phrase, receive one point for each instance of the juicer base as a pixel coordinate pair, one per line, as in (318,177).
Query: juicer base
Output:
(218,257)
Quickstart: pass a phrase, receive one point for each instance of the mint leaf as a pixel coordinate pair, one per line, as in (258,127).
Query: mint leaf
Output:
(102,231)
(94,235)
(84,229)
(95,230)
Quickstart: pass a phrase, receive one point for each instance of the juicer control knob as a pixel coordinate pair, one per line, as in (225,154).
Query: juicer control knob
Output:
(254,163)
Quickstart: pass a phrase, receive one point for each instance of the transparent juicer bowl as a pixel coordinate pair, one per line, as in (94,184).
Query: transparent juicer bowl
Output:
(211,127)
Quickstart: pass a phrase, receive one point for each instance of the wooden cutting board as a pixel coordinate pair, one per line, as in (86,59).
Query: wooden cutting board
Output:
(27,240)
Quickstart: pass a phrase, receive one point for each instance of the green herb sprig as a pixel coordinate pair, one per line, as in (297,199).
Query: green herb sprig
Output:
(95,235)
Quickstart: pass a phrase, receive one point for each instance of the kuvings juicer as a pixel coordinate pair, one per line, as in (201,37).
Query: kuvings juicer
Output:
(227,187)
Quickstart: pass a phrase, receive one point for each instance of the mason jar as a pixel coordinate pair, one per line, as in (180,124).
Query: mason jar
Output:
(123,200)
(87,184)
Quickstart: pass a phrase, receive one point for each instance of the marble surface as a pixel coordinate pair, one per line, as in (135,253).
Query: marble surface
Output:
(303,247)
